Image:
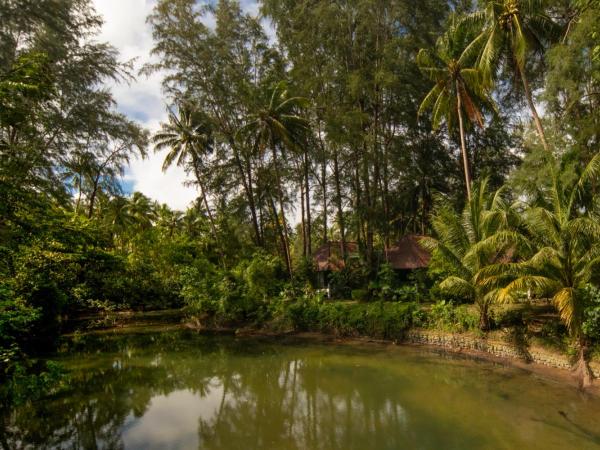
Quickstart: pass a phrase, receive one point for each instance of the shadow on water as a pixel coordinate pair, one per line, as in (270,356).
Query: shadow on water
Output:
(180,390)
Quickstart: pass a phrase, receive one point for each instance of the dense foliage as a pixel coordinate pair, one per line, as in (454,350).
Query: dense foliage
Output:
(358,122)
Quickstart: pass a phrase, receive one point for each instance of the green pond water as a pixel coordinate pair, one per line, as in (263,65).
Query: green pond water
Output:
(181,390)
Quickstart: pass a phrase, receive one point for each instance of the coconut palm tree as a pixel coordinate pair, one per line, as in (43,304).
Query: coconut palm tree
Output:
(277,126)
(142,210)
(193,222)
(117,216)
(510,31)
(188,137)
(468,243)
(567,240)
(168,219)
(459,91)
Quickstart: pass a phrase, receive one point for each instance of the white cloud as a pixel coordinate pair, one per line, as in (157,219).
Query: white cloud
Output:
(125,28)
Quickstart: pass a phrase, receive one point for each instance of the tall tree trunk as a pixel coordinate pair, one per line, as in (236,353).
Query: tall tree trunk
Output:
(115,151)
(463,146)
(257,229)
(323,181)
(261,221)
(368,210)
(302,220)
(385,196)
(278,227)
(324,187)
(358,200)
(584,372)
(211,219)
(286,245)
(534,113)
(338,200)
(93,196)
(205,199)
(246,176)
(78,203)
(307,197)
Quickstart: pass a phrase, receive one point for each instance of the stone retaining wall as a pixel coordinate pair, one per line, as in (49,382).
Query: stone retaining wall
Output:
(466,342)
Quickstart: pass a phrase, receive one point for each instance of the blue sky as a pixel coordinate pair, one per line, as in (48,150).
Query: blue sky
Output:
(125,28)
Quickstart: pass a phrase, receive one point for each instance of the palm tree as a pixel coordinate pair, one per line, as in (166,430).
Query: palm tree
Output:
(459,90)
(510,30)
(192,222)
(468,243)
(189,140)
(142,210)
(277,125)
(168,219)
(117,215)
(567,240)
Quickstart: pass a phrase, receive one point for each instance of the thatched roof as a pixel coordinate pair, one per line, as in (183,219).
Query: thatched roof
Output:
(329,256)
(407,253)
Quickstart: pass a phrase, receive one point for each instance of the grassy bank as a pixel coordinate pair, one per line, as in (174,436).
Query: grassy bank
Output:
(517,331)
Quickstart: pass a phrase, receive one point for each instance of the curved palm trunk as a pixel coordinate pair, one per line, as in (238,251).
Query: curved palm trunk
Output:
(463,146)
(484,317)
(534,113)
(584,372)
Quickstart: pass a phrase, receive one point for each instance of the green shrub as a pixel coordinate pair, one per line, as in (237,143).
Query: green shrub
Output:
(508,318)
(354,276)
(406,293)
(360,294)
(446,316)
(197,289)
(385,284)
(17,319)
(554,333)
(380,319)
(305,271)
(301,312)
(591,316)
(240,296)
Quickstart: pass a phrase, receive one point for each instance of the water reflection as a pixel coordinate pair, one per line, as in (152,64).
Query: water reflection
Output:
(179,390)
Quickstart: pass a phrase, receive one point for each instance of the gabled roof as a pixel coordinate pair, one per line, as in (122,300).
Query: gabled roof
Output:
(407,253)
(329,256)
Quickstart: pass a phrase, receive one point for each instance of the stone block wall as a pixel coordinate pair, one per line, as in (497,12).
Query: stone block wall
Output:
(465,342)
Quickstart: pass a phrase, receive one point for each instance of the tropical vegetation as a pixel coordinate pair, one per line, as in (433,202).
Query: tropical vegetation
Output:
(349,123)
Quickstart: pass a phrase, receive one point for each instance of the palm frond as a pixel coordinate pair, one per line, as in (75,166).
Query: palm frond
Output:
(566,304)
(459,287)
(430,99)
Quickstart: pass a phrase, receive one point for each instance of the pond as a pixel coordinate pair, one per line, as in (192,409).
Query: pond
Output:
(181,390)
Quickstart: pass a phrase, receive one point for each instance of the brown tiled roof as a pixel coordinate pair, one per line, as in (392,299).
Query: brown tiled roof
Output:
(408,254)
(329,256)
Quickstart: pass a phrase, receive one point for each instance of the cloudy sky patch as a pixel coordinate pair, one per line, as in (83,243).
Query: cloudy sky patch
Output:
(126,29)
